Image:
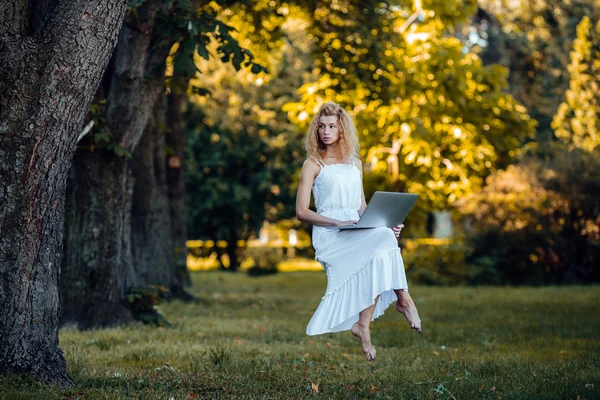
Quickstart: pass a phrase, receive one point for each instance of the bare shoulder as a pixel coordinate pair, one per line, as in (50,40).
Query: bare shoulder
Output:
(310,168)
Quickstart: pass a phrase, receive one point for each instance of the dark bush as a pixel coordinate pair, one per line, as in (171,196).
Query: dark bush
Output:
(436,261)
(143,303)
(538,222)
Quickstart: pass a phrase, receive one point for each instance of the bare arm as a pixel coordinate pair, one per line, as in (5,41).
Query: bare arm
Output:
(309,172)
(363,205)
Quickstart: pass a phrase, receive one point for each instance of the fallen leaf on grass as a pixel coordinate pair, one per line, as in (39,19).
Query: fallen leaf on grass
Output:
(373,389)
(482,387)
(192,396)
(315,387)
(493,389)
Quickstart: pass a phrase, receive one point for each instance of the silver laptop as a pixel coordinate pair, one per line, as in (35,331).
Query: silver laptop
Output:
(385,209)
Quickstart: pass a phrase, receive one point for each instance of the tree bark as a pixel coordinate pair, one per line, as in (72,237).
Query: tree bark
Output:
(152,243)
(232,252)
(52,55)
(176,183)
(98,270)
(106,182)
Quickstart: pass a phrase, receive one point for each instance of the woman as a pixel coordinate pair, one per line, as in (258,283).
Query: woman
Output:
(365,271)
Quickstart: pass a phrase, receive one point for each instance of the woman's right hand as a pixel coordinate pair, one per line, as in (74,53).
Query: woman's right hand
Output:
(345,223)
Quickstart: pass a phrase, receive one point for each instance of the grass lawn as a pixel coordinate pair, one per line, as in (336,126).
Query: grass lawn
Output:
(246,340)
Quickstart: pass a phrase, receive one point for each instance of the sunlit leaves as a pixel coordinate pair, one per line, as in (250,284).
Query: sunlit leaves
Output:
(577,121)
(193,29)
(431,118)
(533,38)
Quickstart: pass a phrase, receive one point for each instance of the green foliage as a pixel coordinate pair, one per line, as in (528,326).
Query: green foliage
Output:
(539,222)
(432,120)
(99,137)
(438,263)
(231,175)
(242,151)
(532,38)
(193,29)
(577,121)
(143,303)
(265,259)
(353,39)
(187,30)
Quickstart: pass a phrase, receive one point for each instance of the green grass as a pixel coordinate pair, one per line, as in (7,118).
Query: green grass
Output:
(246,340)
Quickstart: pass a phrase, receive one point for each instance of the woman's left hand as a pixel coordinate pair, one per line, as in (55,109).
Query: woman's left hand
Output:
(397,229)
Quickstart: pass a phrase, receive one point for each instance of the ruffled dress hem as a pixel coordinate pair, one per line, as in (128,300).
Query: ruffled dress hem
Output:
(340,308)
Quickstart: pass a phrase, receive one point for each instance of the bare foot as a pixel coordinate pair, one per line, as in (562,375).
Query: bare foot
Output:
(406,307)
(365,339)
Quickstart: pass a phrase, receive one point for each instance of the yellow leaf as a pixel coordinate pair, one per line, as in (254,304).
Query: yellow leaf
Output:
(410,157)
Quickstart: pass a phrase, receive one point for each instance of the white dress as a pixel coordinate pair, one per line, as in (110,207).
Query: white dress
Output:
(360,264)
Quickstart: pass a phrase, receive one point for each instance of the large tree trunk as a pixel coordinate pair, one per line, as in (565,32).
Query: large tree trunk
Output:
(52,55)
(152,243)
(133,86)
(98,271)
(176,181)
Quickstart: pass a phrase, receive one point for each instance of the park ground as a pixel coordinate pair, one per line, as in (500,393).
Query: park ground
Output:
(245,340)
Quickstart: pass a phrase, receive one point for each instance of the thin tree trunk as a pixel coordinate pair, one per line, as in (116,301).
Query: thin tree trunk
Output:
(176,183)
(232,252)
(52,55)
(134,84)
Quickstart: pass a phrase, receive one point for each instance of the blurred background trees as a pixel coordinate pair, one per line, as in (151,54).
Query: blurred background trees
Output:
(533,39)
(242,150)
(456,101)
(545,211)
(453,101)
(577,121)
(102,235)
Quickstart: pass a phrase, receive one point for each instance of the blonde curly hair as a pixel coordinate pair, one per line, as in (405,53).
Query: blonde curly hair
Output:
(315,148)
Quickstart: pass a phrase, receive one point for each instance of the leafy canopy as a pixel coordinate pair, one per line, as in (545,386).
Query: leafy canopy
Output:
(432,119)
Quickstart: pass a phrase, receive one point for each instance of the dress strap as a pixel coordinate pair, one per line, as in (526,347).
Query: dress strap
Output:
(355,159)
(319,161)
